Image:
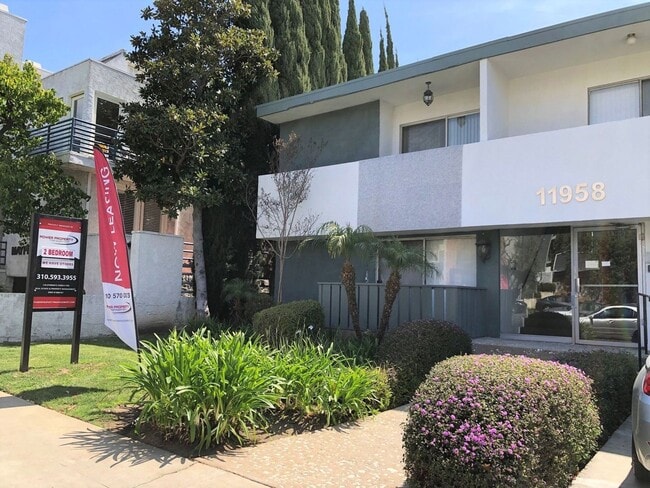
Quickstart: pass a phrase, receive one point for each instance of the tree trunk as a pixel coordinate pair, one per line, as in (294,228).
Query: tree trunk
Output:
(200,282)
(348,279)
(280,271)
(393,286)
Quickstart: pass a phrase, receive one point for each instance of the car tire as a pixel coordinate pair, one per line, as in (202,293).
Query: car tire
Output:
(640,473)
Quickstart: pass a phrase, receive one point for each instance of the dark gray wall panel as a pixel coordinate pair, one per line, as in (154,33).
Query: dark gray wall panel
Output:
(309,266)
(412,192)
(348,135)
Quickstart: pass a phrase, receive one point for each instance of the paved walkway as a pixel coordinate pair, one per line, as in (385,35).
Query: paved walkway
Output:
(42,448)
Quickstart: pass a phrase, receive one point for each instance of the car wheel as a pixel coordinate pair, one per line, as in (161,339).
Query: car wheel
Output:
(640,473)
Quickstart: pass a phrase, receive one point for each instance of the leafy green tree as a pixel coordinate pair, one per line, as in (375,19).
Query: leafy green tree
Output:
(346,242)
(313,18)
(335,68)
(366,41)
(383,65)
(391,59)
(193,66)
(399,258)
(30,183)
(291,44)
(352,46)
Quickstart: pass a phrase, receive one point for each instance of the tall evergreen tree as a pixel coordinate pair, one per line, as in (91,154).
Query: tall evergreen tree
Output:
(366,41)
(313,19)
(383,66)
(291,44)
(194,67)
(260,19)
(336,70)
(352,47)
(390,51)
(227,254)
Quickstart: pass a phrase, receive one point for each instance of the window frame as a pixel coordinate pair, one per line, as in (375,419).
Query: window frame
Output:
(631,81)
(445,118)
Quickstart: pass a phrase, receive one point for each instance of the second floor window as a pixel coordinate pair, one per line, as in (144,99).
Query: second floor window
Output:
(451,131)
(619,102)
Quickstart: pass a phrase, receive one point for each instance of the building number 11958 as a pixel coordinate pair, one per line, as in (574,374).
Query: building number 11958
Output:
(566,194)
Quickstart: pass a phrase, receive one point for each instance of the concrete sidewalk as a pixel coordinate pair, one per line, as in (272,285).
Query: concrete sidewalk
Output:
(42,448)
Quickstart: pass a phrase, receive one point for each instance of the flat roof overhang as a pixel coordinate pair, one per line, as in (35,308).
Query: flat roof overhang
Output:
(600,36)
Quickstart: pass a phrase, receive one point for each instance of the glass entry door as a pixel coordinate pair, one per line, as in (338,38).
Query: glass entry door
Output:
(605,273)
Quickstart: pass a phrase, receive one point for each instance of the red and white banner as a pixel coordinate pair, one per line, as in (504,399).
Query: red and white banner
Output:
(119,312)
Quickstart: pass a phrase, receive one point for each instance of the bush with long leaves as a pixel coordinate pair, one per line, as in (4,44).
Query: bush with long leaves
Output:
(320,384)
(201,390)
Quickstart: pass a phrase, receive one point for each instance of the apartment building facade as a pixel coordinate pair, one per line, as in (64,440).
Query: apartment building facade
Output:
(526,180)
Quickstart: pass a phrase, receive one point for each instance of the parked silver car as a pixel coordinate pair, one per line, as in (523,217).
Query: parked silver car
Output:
(614,322)
(641,424)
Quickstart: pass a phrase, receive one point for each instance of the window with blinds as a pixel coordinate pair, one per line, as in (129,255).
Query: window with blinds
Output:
(452,131)
(127,203)
(619,102)
(151,217)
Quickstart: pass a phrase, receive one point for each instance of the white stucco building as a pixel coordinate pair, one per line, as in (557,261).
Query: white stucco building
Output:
(526,181)
(94,90)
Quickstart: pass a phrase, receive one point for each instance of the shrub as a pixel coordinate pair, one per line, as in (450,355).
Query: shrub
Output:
(409,352)
(209,324)
(322,385)
(282,322)
(201,390)
(486,421)
(613,374)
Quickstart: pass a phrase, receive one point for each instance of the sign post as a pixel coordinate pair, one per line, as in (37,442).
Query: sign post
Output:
(55,275)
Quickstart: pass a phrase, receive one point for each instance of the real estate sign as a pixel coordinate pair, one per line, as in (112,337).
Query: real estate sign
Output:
(57,264)
(55,275)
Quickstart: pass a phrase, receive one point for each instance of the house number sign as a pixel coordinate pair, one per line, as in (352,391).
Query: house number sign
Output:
(581,192)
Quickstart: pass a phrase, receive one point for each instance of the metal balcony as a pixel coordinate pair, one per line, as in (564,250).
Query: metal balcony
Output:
(78,136)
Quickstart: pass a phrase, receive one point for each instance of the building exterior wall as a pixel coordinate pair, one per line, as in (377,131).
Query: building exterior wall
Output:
(350,135)
(12,34)
(558,99)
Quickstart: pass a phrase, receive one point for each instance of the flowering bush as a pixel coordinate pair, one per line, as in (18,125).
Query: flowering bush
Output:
(410,351)
(486,421)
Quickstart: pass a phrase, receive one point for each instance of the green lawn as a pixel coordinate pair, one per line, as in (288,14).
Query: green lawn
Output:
(87,390)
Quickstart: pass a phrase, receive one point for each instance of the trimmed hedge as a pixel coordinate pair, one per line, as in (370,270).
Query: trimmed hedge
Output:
(283,322)
(613,374)
(486,421)
(410,350)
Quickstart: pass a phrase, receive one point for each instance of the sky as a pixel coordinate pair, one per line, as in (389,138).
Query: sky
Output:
(60,33)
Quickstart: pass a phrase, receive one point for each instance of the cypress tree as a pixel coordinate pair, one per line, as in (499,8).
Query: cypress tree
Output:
(383,66)
(390,53)
(335,69)
(396,60)
(260,18)
(352,49)
(291,44)
(312,16)
(366,41)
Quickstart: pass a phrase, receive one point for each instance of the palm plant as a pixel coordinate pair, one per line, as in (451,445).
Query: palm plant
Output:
(346,242)
(399,258)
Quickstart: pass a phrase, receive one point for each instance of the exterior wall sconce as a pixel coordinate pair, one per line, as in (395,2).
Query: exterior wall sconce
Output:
(483,247)
(427,96)
(631,38)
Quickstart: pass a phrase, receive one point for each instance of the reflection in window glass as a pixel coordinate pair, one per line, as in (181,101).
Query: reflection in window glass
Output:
(419,137)
(535,284)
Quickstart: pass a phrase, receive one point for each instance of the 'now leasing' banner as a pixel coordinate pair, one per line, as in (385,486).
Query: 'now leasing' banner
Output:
(119,313)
